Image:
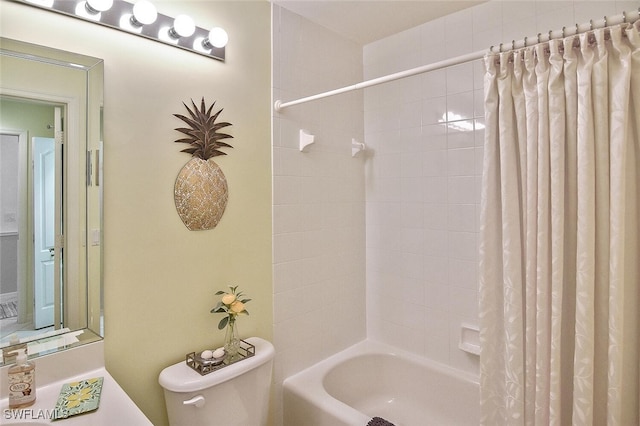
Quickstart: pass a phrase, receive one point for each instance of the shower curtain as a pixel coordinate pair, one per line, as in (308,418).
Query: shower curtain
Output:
(559,237)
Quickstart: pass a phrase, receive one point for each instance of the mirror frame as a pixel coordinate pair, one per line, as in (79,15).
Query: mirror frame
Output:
(89,239)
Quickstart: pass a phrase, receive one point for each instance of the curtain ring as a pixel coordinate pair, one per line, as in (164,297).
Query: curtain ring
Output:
(550,31)
(540,34)
(513,44)
(563,32)
(500,50)
(525,41)
(577,29)
(624,17)
(590,24)
(605,20)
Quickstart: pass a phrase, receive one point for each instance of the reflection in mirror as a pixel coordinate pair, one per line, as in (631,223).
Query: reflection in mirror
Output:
(51,185)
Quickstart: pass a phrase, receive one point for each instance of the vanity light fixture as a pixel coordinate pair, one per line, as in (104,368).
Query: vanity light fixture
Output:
(183,26)
(96,6)
(217,38)
(141,18)
(144,13)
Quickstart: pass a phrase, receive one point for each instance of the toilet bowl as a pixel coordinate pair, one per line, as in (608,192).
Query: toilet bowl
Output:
(234,395)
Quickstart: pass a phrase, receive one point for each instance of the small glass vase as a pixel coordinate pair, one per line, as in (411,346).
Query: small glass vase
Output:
(232,341)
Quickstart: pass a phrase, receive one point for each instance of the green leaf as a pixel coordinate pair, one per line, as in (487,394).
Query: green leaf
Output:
(223,323)
(220,292)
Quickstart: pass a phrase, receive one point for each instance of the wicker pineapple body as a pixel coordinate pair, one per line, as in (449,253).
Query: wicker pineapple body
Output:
(200,191)
(201,194)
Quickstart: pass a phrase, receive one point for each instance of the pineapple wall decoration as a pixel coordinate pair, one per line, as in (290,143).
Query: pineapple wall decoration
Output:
(201,191)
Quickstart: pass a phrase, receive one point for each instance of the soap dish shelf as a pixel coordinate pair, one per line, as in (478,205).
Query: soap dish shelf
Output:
(202,366)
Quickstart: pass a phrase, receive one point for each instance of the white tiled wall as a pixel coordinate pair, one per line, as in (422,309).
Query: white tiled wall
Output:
(416,187)
(423,183)
(318,198)
(422,191)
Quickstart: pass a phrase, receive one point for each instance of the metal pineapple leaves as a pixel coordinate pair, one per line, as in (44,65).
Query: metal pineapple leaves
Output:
(201,191)
(203,135)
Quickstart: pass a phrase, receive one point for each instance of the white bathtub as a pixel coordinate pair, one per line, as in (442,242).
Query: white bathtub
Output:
(371,379)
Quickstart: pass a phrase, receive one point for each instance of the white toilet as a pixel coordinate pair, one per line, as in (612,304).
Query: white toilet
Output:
(234,395)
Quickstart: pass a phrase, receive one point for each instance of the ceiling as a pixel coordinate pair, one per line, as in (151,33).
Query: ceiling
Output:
(365,21)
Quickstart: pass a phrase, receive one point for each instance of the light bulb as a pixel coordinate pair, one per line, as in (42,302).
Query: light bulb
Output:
(97,6)
(183,26)
(217,38)
(144,13)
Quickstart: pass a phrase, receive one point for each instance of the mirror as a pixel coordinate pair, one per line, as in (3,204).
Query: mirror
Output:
(51,183)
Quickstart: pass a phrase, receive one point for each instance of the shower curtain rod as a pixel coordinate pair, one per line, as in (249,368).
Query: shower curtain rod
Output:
(279,105)
(527,41)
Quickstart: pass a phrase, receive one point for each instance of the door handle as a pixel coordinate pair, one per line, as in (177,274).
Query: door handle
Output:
(52,251)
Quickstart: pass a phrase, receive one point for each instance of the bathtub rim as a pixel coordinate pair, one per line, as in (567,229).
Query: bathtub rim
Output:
(313,377)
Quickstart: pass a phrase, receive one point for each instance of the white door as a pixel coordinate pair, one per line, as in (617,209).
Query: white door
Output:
(44,167)
(47,216)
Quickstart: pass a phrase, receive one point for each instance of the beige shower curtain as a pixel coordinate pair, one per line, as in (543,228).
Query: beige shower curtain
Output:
(560,225)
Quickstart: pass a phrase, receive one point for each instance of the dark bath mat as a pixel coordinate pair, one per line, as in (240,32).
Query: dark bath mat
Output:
(379,421)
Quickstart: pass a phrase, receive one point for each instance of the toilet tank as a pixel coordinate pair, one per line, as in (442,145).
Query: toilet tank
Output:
(236,395)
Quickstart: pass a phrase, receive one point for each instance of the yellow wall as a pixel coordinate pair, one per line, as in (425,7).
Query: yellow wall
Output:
(160,278)
(13,117)
(34,120)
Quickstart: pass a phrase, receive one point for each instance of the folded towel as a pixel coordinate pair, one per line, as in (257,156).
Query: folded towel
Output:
(379,421)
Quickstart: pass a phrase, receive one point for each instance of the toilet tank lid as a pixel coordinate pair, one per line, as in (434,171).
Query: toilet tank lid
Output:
(182,378)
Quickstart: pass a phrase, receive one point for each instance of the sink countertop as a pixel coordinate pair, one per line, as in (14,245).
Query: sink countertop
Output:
(53,371)
(116,408)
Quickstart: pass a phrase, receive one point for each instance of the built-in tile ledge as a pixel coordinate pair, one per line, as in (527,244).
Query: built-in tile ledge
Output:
(470,339)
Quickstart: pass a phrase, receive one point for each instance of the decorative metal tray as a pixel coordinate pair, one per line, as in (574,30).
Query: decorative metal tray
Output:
(206,366)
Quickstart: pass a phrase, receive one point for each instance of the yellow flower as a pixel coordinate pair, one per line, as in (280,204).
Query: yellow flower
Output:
(228,299)
(231,304)
(237,307)
(75,399)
